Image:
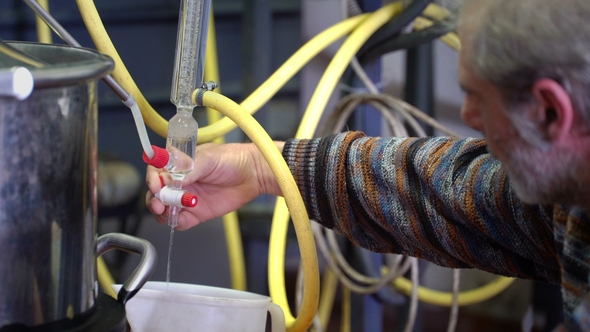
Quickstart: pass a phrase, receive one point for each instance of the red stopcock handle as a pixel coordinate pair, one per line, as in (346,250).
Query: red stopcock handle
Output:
(189,200)
(160,159)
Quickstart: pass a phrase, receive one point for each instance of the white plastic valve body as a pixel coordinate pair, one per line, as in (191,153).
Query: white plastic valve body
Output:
(176,197)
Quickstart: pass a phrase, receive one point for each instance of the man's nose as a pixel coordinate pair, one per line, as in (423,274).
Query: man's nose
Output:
(471,115)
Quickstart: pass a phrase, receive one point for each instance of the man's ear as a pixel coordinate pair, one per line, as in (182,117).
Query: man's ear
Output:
(554,112)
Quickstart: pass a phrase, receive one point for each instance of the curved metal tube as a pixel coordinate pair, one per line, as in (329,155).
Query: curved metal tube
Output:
(135,245)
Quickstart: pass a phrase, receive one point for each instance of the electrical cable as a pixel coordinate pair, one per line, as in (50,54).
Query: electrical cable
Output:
(386,295)
(455,304)
(348,104)
(413,296)
(373,284)
(337,119)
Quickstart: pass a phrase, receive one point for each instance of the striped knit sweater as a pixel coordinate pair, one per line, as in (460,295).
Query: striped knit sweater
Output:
(442,199)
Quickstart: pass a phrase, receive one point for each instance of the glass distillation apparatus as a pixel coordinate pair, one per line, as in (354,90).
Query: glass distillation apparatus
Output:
(179,155)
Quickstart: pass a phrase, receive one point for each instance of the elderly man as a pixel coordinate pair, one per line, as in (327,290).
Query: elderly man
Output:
(515,204)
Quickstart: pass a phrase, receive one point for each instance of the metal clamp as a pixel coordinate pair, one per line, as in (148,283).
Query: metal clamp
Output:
(206,86)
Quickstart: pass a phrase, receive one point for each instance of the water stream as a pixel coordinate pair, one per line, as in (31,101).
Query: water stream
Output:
(169,255)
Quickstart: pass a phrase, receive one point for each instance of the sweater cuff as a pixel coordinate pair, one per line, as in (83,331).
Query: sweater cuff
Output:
(300,155)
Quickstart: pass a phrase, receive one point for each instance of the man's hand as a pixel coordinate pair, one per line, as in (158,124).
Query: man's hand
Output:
(225,177)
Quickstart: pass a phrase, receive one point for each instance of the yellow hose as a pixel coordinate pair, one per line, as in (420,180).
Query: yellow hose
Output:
(276,257)
(292,196)
(104,277)
(346,307)
(465,298)
(258,98)
(233,236)
(327,296)
(339,63)
(282,75)
(212,69)
(104,44)
(43,30)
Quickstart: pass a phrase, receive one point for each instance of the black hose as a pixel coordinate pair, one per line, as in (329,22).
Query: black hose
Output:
(396,25)
(400,42)
(406,41)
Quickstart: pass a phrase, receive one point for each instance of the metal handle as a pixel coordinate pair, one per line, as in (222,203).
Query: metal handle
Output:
(135,245)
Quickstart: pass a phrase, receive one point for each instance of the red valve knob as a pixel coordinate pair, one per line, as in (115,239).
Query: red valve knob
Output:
(189,200)
(160,158)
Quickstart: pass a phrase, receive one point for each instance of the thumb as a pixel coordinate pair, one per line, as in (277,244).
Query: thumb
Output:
(205,161)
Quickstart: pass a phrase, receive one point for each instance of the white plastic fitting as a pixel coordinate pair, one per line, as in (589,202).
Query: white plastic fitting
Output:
(176,197)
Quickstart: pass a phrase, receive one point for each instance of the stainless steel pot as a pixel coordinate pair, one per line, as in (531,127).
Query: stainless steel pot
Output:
(48,208)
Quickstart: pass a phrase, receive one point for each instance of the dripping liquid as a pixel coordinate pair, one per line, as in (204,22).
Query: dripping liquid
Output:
(169,255)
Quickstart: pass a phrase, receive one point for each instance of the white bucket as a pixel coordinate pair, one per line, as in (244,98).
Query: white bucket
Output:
(187,307)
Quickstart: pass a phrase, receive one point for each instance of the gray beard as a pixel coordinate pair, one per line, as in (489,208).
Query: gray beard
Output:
(541,175)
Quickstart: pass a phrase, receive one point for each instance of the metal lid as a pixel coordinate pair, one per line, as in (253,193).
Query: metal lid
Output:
(12,57)
(55,65)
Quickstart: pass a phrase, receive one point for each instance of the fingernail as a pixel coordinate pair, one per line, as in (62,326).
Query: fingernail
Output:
(161,181)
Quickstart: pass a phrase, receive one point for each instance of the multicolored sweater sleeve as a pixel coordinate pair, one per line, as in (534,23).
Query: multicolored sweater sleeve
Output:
(443,199)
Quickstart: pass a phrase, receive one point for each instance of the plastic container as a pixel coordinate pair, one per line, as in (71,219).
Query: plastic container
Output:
(187,307)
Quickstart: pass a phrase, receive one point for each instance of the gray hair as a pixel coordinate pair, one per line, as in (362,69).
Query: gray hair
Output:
(516,42)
